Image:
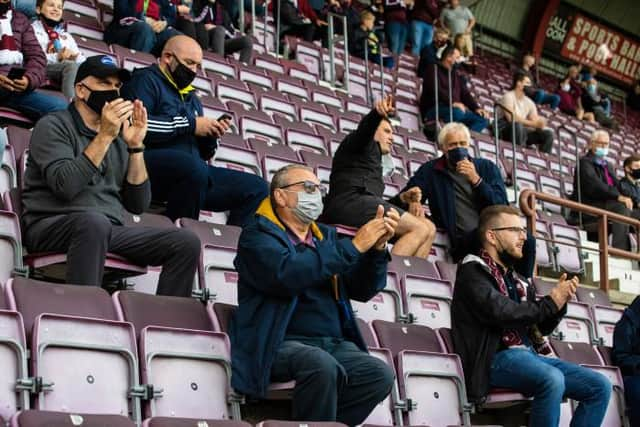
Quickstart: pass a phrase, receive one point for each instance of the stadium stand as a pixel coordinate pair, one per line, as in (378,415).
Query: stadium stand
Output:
(156,360)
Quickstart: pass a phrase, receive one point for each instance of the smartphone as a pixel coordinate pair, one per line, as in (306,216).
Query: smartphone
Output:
(16,73)
(225,117)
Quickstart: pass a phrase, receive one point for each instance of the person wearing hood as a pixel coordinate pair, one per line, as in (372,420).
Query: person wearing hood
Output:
(294,319)
(456,187)
(181,140)
(356,184)
(626,356)
(599,187)
(63,55)
(498,329)
(630,184)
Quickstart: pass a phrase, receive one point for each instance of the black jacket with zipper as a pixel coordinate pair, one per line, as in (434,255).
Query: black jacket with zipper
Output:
(479,316)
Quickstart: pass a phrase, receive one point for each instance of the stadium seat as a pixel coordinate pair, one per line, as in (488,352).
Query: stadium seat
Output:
(413,265)
(428,301)
(14,376)
(317,114)
(605,319)
(255,128)
(216,64)
(236,155)
(10,245)
(321,165)
(383,413)
(567,243)
(577,324)
(274,423)
(273,156)
(386,305)
(220,314)
(276,102)
(447,271)
(191,422)
(216,270)
(34,418)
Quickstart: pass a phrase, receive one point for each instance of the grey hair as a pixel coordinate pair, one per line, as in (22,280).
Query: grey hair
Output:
(452,127)
(279,178)
(597,133)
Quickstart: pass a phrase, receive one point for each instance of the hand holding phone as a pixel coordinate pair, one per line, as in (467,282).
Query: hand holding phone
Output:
(16,73)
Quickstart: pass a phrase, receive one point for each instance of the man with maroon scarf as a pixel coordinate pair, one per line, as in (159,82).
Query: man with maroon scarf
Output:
(143,25)
(19,48)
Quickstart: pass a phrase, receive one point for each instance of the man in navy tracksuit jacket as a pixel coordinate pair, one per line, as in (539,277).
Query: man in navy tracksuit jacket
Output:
(180,141)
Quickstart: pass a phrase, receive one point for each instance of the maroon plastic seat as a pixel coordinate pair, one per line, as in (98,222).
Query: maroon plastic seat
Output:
(191,422)
(576,352)
(216,65)
(151,310)
(273,156)
(222,314)
(9,116)
(400,336)
(447,340)
(413,265)
(274,423)
(34,418)
(90,47)
(447,270)
(367,333)
(605,354)
(13,359)
(593,296)
(19,138)
(10,243)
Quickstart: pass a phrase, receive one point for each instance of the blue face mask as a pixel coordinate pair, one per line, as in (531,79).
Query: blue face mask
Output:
(601,152)
(591,88)
(309,206)
(456,154)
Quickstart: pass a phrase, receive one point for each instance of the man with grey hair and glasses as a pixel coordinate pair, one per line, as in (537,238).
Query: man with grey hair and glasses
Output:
(294,319)
(457,187)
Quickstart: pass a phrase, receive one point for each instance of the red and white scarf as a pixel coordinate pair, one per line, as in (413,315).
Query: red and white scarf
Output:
(9,53)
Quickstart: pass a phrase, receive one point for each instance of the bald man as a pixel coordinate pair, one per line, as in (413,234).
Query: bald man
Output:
(180,140)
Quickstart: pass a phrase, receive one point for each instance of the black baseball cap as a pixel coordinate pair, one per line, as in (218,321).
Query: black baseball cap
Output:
(101,66)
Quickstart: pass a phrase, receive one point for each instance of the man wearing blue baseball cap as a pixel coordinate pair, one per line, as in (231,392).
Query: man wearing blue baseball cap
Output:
(85,168)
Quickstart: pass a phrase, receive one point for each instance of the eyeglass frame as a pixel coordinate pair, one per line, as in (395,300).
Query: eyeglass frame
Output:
(307,185)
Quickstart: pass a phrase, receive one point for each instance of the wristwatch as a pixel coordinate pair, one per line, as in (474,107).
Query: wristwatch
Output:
(133,150)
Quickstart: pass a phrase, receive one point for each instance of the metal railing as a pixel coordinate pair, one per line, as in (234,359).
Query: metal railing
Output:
(528,199)
(514,157)
(368,87)
(332,39)
(577,177)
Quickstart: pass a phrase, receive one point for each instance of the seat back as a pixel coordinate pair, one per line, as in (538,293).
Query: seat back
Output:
(428,300)
(33,418)
(576,352)
(13,359)
(447,271)
(577,325)
(222,313)
(386,305)
(605,322)
(10,247)
(368,335)
(593,296)
(399,336)
(191,422)
(567,240)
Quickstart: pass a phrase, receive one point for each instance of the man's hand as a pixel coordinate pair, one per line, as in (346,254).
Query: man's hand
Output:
(391,220)
(210,127)
(133,133)
(414,194)
(369,234)
(158,26)
(626,201)
(20,85)
(540,123)
(321,23)
(484,113)
(459,105)
(384,107)
(564,290)
(6,83)
(183,9)
(468,169)
(114,114)
(416,209)
(209,27)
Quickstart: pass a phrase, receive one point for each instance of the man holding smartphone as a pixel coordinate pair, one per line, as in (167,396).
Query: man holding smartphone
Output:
(22,66)
(181,140)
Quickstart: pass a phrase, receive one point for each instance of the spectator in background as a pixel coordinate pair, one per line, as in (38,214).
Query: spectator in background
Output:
(364,32)
(530,127)
(630,184)
(19,48)
(431,54)
(210,24)
(498,329)
(297,19)
(27,7)
(143,25)
(356,183)
(538,95)
(464,107)
(633,97)
(396,24)
(599,187)
(466,62)
(423,18)
(233,9)
(63,55)
(85,167)
(181,141)
(598,104)
(570,93)
(626,356)
(458,19)
(294,320)
(456,187)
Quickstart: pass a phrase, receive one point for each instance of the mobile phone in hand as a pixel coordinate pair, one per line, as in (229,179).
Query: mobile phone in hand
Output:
(225,117)
(16,73)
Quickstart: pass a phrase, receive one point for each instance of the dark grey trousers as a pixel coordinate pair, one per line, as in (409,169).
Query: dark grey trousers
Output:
(86,237)
(335,380)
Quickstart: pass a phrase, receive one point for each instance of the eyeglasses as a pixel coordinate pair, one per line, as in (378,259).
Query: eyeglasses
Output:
(310,187)
(519,230)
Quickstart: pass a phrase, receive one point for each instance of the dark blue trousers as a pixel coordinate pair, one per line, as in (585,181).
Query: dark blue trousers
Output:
(188,184)
(335,380)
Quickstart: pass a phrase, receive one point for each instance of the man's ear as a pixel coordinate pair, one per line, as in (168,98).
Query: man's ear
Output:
(279,198)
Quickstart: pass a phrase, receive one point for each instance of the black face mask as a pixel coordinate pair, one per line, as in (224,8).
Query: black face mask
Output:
(505,257)
(50,22)
(4,7)
(635,173)
(98,98)
(182,75)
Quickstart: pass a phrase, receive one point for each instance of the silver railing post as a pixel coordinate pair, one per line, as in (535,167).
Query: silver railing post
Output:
(241,17)
(332,39)
(450,100)
(435,86)
(367,79)
(277,35)
(576,178)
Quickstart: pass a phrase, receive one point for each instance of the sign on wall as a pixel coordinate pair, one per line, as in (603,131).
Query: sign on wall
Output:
(581,39)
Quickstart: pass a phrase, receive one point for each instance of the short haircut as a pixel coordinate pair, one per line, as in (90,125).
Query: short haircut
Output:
(39,3)
(448,51)
(518,76)
(631,159)
(452,127)
(442,31)
(597,133)
(280,177)
(366,14)
(490,217)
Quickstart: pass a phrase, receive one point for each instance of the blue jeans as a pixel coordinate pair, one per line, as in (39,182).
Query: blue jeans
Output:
(139,36)
(188,184)
(471,119)
(28,7)
(397,33)
(387,61)
(548,380)
(632,397)
(335,380)
(33,104)
(542,97)
(421,36)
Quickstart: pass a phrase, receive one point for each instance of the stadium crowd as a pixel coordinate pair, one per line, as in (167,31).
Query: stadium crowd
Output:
(125,139)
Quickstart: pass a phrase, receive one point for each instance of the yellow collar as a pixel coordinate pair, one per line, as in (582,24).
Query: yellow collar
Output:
(182,92)
(266,210)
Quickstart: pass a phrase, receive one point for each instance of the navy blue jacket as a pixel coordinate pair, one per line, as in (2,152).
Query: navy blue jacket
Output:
(171,114)
(626,340)
(127,9)
(437,187)
(272,271)
(630,189)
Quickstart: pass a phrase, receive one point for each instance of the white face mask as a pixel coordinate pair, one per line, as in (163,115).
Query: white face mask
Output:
(309,206)
(566,87)
(387,165)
